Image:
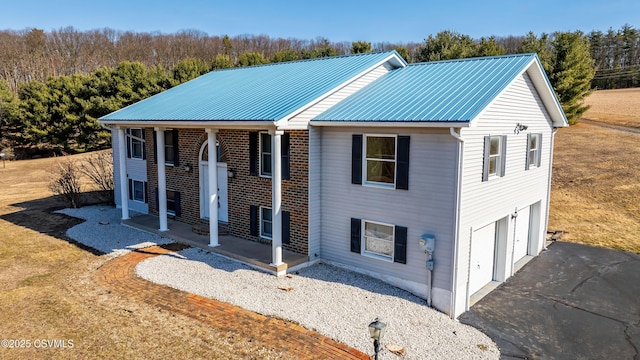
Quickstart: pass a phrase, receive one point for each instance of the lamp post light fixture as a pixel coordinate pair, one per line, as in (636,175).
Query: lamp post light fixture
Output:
(376,329)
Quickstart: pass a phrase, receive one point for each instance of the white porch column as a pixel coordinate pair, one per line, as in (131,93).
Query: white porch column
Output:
(212,169)
(122,167)
(162,180)
(276,196)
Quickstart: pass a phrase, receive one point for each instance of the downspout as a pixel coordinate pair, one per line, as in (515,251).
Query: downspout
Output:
(456,229)
(546,219)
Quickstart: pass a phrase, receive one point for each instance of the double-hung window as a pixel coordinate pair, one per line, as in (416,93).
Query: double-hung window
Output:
(135,143)
(169,147)
(380,160)
(379,240)
(266,222)
(495,150)
(533,150)
(171,202)
(137,190)
(265,154)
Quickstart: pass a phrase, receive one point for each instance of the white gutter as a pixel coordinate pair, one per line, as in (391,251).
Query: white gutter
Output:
(546,219)
(456,229)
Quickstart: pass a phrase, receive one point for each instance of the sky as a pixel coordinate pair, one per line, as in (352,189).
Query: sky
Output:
(337,20)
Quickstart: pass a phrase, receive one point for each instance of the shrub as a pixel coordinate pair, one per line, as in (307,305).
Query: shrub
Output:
(66,182)
(98,167)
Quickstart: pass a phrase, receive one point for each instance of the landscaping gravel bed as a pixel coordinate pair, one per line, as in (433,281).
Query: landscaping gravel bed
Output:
(335,302)
(102,231)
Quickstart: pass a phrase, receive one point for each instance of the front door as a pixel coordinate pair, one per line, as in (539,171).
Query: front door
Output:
(223,200)
(521,243)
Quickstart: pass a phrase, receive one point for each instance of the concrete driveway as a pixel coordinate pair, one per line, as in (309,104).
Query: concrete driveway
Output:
(571,302)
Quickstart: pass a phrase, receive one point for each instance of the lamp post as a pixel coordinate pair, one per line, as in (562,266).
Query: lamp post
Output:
(376,329)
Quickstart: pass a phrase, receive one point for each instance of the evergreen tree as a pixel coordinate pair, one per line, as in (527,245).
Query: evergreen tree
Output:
(540,46)
(489,47)
(404,52)
(446,45)
(573,71)
(285,55)
(360,47)
(251,58)
(188,69)
(222,62)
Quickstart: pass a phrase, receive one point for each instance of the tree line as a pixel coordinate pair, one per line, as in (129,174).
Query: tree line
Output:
(53,86)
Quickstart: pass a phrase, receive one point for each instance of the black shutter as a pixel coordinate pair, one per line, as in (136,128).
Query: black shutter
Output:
(503,155)
(130,189)
(539,158)
(146,193)
(526,158)
(487,149)
(285,156)
(155,147)
(144,144)
(157,201)
(176,157)
(176,198)
(402,180)
(127,134)
(253,153)
(286,238)
(356,159)
(356,235)
(253,220)
(400,245)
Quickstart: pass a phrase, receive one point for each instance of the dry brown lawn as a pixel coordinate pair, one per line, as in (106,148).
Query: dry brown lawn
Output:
(595,196)
(619,107)
(47,290)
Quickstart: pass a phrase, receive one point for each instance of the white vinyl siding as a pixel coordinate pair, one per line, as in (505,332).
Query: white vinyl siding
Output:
(315,170)
(484,202)
(301,120)
(136,170)
(428,207)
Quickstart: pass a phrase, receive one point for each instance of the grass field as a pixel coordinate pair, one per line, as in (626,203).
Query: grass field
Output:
(595,195)
(47,290)
(620,107)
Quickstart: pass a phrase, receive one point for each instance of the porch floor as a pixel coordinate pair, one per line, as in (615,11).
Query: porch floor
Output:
(252,253)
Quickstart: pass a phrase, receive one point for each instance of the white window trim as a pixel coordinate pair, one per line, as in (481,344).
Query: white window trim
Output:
(133,191)
(376,184)
(533,163)
(262,235)
(130,139)
(263,175)
(363,242)
(498,167)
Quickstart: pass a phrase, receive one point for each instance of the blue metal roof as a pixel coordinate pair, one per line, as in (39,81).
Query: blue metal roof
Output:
(439,91)
(267,92)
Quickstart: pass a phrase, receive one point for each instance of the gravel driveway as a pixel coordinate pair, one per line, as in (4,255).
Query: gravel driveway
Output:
(335,302)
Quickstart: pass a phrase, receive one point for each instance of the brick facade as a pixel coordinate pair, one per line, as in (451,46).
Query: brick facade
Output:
(244,189)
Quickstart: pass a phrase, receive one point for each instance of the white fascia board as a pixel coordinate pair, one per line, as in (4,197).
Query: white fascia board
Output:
(547,94)
(393,59)
(177,124)
(391,124)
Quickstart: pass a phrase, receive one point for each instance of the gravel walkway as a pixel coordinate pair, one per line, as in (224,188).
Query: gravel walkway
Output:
(102,231)
(335,302)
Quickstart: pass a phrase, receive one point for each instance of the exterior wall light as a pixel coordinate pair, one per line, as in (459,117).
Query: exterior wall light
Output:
(376,330)
(231,173)
(520,127)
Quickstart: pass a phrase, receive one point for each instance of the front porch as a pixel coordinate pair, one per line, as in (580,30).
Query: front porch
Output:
(249,252)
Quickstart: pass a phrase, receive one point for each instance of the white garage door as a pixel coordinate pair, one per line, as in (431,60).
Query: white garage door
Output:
(483,246)
(523,224)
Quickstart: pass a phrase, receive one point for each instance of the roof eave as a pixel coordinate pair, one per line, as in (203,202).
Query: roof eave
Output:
(392,124)
(192,124)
